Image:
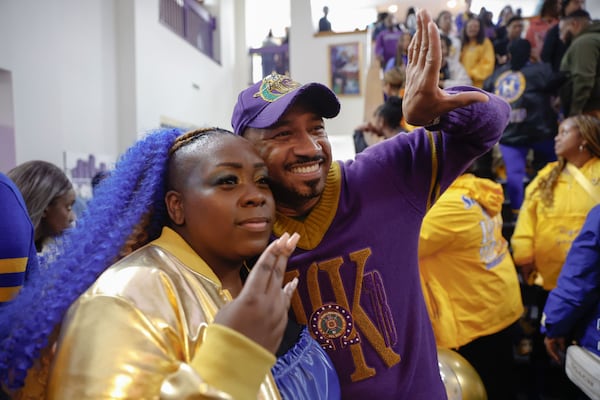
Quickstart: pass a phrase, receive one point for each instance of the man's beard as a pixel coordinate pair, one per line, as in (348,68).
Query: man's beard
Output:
(291,196)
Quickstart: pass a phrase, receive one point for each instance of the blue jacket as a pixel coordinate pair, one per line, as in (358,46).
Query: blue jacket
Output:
(18,258)
(573,307)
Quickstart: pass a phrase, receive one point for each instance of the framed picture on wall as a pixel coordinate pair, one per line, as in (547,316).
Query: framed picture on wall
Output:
(345,68)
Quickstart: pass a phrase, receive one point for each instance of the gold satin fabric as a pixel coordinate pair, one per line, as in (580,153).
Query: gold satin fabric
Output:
(143,331)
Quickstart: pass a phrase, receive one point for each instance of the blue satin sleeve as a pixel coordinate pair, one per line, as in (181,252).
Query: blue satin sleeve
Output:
(306,372)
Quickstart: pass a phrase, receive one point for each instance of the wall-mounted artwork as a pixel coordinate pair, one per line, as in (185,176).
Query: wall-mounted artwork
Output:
(345,68)
(81,168)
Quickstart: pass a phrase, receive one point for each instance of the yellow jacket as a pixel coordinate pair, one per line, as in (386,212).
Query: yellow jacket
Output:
(478,60)
(144,330)
(543,235)
(469,280)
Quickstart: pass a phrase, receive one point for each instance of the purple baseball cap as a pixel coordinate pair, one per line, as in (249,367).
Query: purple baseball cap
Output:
(262,104)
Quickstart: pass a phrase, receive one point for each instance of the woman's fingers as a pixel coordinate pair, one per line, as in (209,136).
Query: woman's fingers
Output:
(260,275)
(269,270)
(260,312)
(288,245)
(288,291)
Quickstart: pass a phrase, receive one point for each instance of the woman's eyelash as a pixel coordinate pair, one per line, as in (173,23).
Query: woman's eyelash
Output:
(227,180)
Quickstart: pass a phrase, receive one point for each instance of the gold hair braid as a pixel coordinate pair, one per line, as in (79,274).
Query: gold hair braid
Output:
(187,138)
(546,184)
(138,237)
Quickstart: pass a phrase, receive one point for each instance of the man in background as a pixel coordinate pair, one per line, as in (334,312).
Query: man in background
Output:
(580,64)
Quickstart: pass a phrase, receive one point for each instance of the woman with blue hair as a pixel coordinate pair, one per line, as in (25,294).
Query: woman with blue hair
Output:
(146,298)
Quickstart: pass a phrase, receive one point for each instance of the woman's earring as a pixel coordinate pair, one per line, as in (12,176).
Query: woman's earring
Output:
(581,148)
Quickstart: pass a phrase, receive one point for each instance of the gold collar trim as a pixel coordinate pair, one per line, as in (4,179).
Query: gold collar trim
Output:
(172,242)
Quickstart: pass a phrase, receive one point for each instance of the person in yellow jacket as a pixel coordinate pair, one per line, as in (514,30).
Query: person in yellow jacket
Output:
(477,53)
(557,202)
(469,280)
(554,209)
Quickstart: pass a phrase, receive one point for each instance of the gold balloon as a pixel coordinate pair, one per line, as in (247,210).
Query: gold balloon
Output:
(461,380)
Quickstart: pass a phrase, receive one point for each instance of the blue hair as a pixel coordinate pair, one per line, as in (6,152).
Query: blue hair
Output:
(126,212)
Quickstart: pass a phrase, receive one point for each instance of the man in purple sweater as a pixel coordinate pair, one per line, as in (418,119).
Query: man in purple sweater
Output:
(359,221)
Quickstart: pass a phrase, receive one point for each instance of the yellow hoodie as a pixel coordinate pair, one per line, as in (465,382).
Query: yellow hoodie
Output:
(469,280)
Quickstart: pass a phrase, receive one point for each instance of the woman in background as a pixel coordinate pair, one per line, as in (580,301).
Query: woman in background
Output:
(49,196)
(558,200)
(477,53)
(556,204)
(447,28)
(452,73)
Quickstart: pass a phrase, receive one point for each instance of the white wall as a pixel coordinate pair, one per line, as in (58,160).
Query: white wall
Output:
(309,61)
(125,76)
(593,7)
(63,76)
(89,76)
(176,81)
(7,130)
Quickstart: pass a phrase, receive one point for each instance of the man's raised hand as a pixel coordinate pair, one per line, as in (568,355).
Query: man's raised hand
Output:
(423,99)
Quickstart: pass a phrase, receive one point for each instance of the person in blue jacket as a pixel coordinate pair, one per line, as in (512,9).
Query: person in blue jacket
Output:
(572,311)
(18,258)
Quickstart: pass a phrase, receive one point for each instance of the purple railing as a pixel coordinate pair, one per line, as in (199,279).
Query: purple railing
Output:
(191,21)
(274,58)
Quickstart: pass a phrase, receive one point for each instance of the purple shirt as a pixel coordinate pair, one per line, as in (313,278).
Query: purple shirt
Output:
(386,44)
(359,290)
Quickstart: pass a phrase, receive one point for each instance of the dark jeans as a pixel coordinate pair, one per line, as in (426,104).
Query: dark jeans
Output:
(492,358)
(545,379)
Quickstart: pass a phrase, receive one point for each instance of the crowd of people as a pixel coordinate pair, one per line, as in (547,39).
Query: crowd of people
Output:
(540,181)
(249,264)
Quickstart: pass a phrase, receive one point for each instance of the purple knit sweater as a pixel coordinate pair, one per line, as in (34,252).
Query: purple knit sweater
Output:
(359,290)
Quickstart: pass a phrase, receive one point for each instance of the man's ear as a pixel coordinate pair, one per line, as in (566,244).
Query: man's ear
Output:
(174,203)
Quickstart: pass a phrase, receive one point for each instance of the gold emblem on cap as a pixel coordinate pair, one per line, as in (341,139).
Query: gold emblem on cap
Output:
(275,86)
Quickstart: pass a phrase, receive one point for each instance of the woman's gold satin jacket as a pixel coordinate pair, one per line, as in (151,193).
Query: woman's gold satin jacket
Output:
(144,330)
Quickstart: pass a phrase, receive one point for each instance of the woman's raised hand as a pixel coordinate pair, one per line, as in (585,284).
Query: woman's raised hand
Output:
(260,312)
